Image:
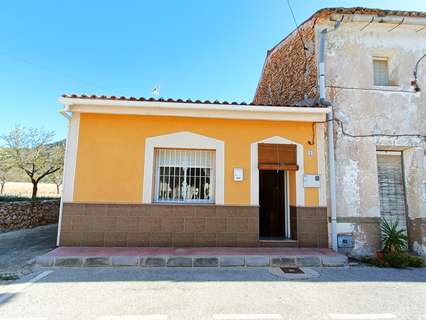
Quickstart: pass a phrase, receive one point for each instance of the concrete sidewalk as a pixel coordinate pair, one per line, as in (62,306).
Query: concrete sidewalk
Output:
(191,257)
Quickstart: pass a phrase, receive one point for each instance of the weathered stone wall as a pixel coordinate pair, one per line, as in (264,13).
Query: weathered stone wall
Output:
(366,109)
(27,214)
(290,70)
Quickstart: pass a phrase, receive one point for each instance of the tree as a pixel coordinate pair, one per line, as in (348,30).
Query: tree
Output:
(31,151)
(57,176)
(5,170)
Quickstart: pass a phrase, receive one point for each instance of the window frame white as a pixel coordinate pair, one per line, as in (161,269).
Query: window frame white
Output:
(183,140)
(185,159)
(375,72)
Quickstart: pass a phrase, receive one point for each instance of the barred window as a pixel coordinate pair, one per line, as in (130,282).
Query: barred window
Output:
(184,175)
(381,72)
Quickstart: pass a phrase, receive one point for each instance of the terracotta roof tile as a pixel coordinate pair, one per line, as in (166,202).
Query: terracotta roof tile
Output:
(170,100)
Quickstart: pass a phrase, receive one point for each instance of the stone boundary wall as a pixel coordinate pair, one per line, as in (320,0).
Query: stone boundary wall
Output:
(27,214)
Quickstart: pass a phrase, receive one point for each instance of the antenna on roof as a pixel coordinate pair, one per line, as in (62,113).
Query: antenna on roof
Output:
(156,91)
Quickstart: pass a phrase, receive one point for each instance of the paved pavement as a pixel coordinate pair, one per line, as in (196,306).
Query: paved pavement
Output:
(161,294)
(18,247)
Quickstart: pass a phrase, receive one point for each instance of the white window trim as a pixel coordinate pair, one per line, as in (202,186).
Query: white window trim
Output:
(254,177)
(183,140)
(210,166)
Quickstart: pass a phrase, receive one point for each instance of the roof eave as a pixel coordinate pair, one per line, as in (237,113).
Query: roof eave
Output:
(155,108)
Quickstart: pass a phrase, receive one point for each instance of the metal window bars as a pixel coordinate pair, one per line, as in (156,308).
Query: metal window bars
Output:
(183,175)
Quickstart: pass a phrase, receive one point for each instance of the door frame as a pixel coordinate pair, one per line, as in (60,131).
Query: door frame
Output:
(287,220)
(399,153)
(254,170)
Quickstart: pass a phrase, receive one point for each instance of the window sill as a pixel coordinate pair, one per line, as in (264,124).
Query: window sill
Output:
(388,88)
(182,203)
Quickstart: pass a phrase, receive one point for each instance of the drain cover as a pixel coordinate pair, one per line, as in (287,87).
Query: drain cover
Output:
(291,270)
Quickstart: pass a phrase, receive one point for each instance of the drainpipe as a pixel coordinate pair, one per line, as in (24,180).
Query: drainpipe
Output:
(330,132)
(65,113)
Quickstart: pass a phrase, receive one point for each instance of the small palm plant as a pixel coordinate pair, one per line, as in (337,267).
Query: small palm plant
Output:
(394,239)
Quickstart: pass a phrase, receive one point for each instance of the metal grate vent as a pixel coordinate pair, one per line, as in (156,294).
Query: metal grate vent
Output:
(291,270)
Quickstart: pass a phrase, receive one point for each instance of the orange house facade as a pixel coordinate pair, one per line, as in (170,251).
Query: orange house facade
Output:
(190,173)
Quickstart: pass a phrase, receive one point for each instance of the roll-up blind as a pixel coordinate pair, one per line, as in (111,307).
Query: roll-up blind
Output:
(277,156)
(391,187)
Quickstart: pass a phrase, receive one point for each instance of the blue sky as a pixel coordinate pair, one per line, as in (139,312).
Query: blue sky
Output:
(211,49)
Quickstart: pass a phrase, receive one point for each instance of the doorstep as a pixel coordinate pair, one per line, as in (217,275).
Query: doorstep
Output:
(190,257)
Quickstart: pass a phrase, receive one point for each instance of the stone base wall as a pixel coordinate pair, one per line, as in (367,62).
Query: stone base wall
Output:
(311,226)
(27,214)
(159,225)
(417,234)
(163,225)
(365,235)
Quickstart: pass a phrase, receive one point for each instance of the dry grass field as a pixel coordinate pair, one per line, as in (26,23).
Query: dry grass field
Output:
(24,189)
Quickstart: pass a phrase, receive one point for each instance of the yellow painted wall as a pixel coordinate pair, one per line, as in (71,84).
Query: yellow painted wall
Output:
(110,156)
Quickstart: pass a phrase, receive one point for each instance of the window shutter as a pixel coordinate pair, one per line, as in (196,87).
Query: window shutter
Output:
(277,156)
(391,187)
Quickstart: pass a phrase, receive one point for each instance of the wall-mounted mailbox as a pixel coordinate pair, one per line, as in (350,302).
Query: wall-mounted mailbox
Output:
(238,174)
(311,181)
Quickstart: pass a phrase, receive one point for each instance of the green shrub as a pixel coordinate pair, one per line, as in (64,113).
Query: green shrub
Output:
(374,262)
(8,277)
(18,198)
(394,240)
(396,260)
(416,262)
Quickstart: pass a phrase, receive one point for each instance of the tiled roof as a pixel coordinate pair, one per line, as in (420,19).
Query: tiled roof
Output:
(123,98)
(371,11)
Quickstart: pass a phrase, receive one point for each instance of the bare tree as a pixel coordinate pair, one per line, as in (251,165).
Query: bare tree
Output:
(31,150)
(5,170)
(57,176)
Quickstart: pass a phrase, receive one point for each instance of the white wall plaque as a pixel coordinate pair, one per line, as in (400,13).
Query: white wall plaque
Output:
(238,174)
(311,181)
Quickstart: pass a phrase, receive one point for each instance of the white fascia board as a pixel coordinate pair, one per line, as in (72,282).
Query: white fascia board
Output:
(197,110)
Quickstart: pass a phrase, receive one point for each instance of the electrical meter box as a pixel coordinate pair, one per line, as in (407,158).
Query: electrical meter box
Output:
(344,241)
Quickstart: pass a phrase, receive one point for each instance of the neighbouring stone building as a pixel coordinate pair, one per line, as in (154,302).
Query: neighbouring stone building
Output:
(380,112)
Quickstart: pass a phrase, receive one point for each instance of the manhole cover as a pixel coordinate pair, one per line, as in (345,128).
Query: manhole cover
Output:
(291,270)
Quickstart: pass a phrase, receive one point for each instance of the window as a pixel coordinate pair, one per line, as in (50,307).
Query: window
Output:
(391,187)
(381,72)
(184,175)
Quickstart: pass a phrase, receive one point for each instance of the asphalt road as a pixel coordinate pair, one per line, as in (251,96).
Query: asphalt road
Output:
(137,294)
(18,247)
